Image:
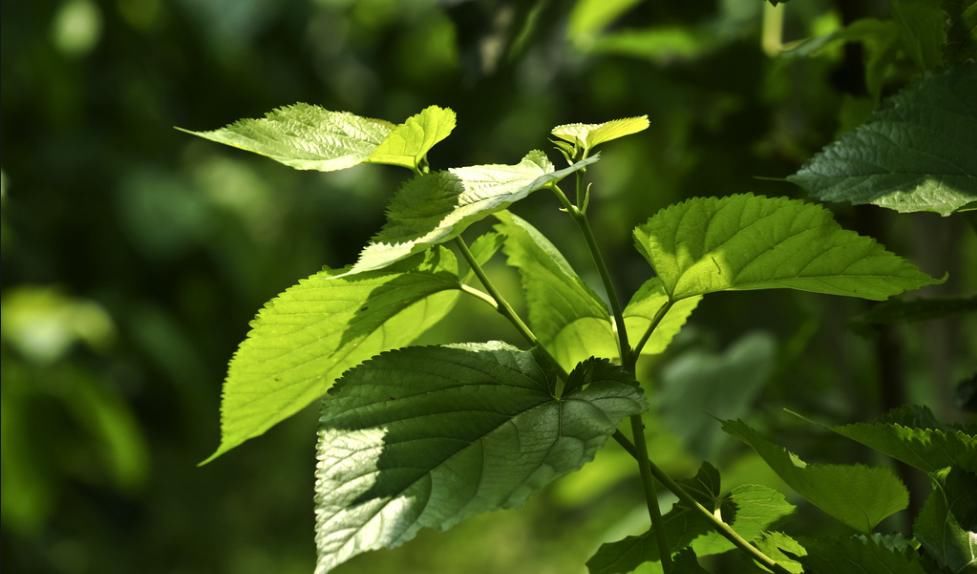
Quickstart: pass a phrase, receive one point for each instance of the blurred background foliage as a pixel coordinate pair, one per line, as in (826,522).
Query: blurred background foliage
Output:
(134,256)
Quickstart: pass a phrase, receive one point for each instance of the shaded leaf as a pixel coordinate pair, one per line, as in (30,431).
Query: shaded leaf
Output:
(917,153)
(597,371)
(745,242)
(912,435)
(895,312)
(922,29)
(748,508)
(947,524)
(857,495)
(869,554)
(425,437)
(698,387)
(684,562)
(303,339)
(436,207)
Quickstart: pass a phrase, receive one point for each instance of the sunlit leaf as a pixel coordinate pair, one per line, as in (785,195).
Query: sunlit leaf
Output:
(304,339)
(304,136)
(437,207)
(407,145)
(425,437)
(783,549)
(744,242)
(645,304)
(858,495)
(589,136)
(569,319)
(917,153)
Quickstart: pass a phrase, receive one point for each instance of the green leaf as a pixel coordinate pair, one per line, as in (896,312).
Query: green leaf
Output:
(436,207)
(304,338)
(868,554)
(645,304)
(748,508)
(425,437)
(917,153)
(743,242)
(684,562)
(596,371)
(699,386)
(408,144)
(304,136)
(782,548)
(589,136)
(857,495)
(922,28)
(569,319)
(947,524)
(486,246)
(912,435)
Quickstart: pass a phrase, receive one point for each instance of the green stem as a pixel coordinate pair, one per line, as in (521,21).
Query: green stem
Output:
(659,315)
(773,29)
(605,275)
(725,530)
(499,303)
(651,494)
(628,361)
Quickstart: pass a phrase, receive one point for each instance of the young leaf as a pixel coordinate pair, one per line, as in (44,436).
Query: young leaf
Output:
(913,435)
(407,145)
(744,242)
(589,136)
(857,495)
(436,207)
(947,524)
(748,508)
(304,136)
(922,28)
(917,153)
(425,437)
(308,335)
(868,554)
(569,319)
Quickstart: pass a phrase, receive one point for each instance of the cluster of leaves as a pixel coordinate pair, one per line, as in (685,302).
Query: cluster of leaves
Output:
(425,437)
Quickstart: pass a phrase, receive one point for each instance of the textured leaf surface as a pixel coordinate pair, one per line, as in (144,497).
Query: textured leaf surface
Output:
(862,554)
(913,436)
(304,338)
(917,153)
(782,548)
(857,495)
(748,508)
(304,136)
(947,524)
(407,145)
(426,436)
(437,207)
(744,242)
(569,319)
(645,304)
(589,136)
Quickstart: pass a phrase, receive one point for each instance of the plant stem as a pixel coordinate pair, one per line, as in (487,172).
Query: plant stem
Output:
(659,315)
(773,29)
(605,275)
(720,526)
(628,360)
(651,494)
(501,304)
(498,302)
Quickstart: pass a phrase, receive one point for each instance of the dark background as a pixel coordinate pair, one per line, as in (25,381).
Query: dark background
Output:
(135,255)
